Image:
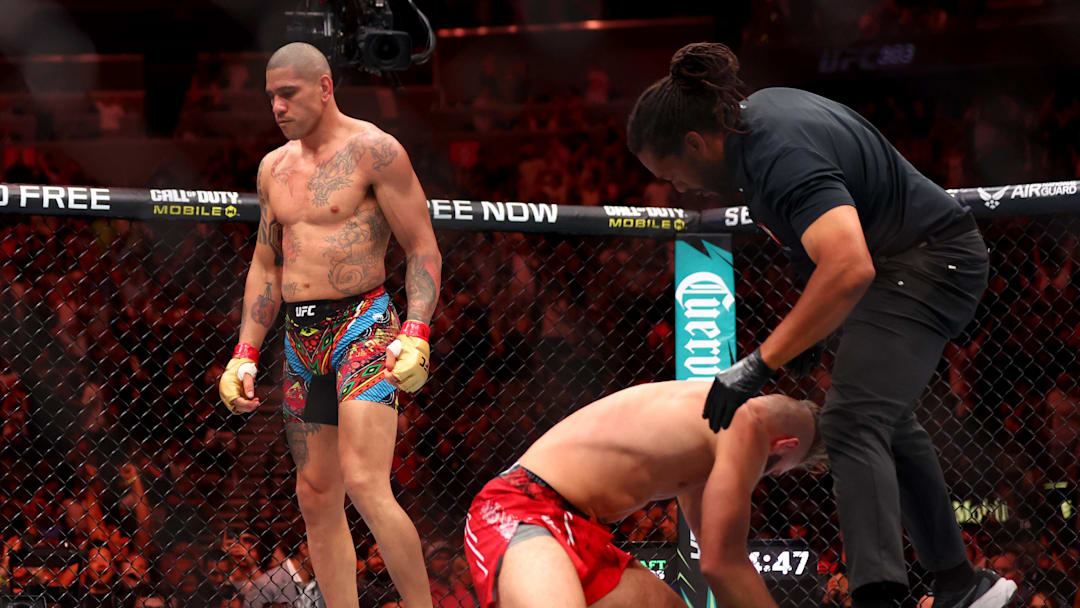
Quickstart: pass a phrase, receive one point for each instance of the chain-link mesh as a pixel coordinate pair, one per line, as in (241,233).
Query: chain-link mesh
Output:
(125,482)
(1003,409)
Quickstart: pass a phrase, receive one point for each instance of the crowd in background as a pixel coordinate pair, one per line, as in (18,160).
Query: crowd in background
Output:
(765,21)
(125,482)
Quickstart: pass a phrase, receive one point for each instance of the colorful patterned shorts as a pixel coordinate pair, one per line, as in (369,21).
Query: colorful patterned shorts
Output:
(335,351)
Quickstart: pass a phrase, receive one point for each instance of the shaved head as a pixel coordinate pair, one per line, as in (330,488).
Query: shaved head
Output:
(800,419)
(306,61)
(300,89)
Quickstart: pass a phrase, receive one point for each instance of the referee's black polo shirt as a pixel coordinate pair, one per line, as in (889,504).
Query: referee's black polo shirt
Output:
(804,154)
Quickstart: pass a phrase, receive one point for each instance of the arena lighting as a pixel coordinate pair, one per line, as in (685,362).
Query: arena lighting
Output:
(573,26)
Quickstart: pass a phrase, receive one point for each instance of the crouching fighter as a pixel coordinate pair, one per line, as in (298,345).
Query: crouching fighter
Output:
(536,534)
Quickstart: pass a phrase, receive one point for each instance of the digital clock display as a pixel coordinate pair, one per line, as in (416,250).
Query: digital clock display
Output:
(786,562)
(781,558)
(788,567)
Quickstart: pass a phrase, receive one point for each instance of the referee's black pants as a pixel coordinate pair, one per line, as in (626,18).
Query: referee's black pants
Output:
(885,469)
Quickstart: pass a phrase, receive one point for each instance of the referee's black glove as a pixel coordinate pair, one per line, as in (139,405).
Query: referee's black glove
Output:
(806,361)
(732,387)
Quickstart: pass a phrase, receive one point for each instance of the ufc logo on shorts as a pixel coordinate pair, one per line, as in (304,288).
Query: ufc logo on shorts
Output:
(305,311)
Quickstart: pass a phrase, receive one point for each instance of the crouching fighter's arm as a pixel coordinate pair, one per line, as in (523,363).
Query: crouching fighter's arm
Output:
(723,515)
(262,299)
(402,201)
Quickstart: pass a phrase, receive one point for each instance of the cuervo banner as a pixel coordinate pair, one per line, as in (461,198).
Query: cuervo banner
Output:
(704,345)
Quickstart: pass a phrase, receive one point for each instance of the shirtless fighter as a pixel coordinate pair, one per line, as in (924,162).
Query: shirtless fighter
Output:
(534,536)
(329,200)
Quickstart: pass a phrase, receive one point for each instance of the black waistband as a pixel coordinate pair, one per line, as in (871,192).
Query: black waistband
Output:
(532,477)
(962,225)
(302,313)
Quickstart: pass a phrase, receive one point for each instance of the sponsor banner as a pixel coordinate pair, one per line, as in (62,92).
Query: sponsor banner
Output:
(214,197)
(704,306)
(194,204)
(609,220)
(620,220)
(727,219)
(482,216)
(33,198)
(1030,199)
(664,219)
(704,345)
(128,203)
(657,556)
(198,212)
(493,212)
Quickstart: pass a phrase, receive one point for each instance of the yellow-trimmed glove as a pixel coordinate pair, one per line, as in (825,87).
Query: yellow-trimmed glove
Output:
(412,364)
(231,386)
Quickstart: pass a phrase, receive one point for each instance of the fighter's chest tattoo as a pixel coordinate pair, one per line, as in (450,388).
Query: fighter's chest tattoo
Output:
(335,173)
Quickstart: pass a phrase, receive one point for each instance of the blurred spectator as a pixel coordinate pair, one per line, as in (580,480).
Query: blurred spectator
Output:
(133,572)
(179,568)
(836,592)
(1007,564)
(598,87)
(98,580)
(237,76)
(292,583)
(111,116)
(461,575)
(1063,424)
(446,591)
(150,600)
(669,525)
(373,579)
(241,548)
(1043,600)
(658,193)
(214,584)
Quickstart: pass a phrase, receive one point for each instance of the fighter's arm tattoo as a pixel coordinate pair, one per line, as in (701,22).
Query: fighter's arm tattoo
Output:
(281,174)
(383,152)
(422,274)
(403,193)
(296,434)
(264,309)
(269,232)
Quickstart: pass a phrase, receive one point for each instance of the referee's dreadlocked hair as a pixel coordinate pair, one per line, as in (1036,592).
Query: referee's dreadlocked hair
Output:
(702,93)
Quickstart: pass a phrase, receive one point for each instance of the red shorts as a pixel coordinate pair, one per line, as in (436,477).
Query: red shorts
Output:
(521,497)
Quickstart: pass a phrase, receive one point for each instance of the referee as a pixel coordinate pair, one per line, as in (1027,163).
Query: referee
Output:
(889,256)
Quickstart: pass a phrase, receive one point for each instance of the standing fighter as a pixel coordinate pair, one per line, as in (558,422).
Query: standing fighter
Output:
(329,200)
(890,256)
(534,535)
